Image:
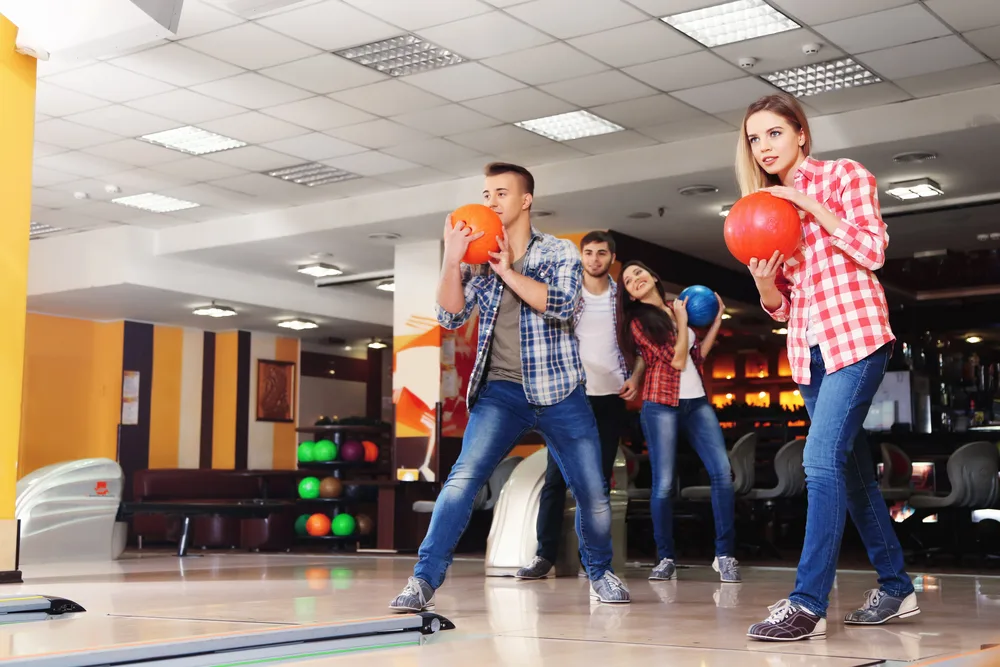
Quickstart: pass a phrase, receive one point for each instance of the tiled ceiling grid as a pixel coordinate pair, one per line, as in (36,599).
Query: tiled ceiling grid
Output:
(271,79)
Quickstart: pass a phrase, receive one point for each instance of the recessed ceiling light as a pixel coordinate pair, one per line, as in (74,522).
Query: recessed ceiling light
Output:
(639,215)
(695,190)
(39,229)
(154,203)
(916,189)
(569,126)
(973,340)
(377,344)
(384,236)
(386,285)
(914,157)
(727,316)
(313,174)
(214,311)
(822,77)
(781,332)
(731,22)
(320,270)
(298,325)
(193,140)
(399,56)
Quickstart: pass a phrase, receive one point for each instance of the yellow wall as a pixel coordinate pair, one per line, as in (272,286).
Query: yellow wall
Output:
(227,346)
(165,399)
(285,439)
(72,390)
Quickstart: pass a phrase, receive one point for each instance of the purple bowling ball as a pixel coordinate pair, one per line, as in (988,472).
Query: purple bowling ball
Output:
(352,450)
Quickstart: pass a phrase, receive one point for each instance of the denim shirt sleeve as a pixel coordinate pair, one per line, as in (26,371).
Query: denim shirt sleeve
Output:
(453,321)
(566,283)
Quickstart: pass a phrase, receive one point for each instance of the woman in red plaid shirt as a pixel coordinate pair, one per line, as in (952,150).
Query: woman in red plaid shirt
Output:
(673,397)
(839,345)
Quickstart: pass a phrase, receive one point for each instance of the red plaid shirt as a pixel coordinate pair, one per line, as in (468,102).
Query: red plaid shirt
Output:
(829,280)
(662,382)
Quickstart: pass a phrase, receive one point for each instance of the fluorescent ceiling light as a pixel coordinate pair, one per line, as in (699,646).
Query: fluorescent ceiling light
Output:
(822,77)
(973,339)
(312,174)
(568,126)
(298,325)
(399,56)
(154,203)
(320,270)
(727,316)
(922,187)
(39,229)
(193,140)
(387,285)
(731,22)
(214,311)
(377,344)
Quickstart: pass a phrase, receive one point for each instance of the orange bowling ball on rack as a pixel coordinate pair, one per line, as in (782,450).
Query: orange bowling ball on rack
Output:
(480,219)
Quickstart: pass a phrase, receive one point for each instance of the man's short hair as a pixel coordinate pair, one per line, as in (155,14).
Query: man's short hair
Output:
(497,168)
(598,236)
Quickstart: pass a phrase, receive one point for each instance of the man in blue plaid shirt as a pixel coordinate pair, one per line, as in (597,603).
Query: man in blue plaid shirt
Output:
(528,376)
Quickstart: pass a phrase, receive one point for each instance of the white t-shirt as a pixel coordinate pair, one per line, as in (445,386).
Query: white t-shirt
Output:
(691,384)
(599,345)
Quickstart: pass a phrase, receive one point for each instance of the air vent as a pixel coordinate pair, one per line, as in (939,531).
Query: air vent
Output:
(696,190)
(640,215)
(914,157)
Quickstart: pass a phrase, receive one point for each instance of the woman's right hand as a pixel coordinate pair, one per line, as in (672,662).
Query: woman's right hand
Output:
(680,312)
(764,272)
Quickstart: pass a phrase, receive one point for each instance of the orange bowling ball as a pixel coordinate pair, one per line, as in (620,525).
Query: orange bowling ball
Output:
(759,224)
(371,451)
(318,525)
(480,219)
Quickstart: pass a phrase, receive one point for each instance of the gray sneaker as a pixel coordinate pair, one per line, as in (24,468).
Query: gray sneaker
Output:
(665,571)
(538,568)
(880,607)
(610,589)
(728,569)
(416,596)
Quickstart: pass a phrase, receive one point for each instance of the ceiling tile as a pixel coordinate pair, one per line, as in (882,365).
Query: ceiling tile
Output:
(81,164)
(611,143)
(523,104)
(689,128)
(389,98)
(71,219)
(209,195)
(506,3)
(177,65)
(200,214)
(42,177)
(261,185)
(849,99)
(198,17)
(595,89)
(55,101)
(379,133)
(688,71)
(486,35)
(933,55)
(811,12)
(319,113)
(498,139)
(44,150)
(986,40)
(315,146)
(445,120)
(411,15)
(65,134)
(666,7)
(414,177)
(110,83)
(881,30)
(967,14)
(725,96)
(330,26)
(148,180)
(645,111)
(778,52)
(186,107)
(531,156)
(952,80)
(197,169)
(256,158)
(325,73)
(545,64)
(565,18)
(254,128)
(250,46)
(47,68)
(123,120)
(371,163)
(251,90)
(53,198)
(434,152)
(464,82)
(636,43)
(134,151)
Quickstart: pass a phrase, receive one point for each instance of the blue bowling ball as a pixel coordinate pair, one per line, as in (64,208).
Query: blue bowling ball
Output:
(702,305)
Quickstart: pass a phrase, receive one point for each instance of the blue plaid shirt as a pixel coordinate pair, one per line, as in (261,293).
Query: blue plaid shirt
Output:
(613,295)
(550,355)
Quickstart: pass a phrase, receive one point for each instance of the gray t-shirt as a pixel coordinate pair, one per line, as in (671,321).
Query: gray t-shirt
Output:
(505,351)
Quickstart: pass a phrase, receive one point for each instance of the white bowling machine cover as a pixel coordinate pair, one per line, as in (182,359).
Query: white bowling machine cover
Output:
(67,512)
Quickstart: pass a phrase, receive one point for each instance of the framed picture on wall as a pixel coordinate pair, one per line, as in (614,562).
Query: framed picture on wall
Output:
(275,391)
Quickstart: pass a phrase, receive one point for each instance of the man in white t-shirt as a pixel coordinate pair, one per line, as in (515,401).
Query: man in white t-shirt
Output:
(609,384)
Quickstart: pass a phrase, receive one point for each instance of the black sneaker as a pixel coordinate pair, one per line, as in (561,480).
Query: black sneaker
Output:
(880,607)
(538,568)
(416,596)
(789,622)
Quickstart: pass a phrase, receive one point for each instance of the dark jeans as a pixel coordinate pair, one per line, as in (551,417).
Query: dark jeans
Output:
(610,414)
(498,420)
(840,478)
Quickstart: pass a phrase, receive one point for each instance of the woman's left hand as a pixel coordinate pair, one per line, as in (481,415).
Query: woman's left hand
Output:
(802,201)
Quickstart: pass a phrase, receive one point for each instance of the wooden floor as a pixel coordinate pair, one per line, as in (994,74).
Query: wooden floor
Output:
(695,621)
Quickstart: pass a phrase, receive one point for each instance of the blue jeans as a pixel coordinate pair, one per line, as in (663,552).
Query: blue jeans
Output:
(697,417)
(497,421)
(840,478)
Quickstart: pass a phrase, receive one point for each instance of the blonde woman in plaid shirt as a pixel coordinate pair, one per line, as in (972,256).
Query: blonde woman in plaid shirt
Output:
(839,345)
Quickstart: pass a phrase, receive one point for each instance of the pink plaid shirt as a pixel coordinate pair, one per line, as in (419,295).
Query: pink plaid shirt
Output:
(829,281)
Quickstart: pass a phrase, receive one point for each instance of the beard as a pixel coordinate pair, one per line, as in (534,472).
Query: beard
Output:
(600,274)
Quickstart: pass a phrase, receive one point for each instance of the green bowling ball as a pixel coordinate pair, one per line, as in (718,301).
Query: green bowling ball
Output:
(324,451)
(307,452)
(300,525)
(309,488)
(343,525)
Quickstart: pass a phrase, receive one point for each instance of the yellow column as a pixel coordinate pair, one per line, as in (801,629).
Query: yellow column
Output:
(17,128)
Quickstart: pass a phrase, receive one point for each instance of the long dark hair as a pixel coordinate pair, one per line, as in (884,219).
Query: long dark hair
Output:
(655,323)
